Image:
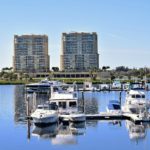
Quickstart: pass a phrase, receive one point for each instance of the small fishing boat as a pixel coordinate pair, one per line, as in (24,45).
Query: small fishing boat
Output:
(113,106)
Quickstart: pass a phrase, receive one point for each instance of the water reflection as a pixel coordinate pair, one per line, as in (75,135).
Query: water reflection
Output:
(60,133)
(77,128)
(115,122)
(45,132)
(64,136)
(91,123)
(136,131)
(68,134)
(19,104)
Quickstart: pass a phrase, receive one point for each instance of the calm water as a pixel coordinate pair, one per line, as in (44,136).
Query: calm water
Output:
(17,133)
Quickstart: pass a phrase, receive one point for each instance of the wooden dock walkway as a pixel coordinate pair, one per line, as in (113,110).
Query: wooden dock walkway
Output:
(105,116)
(114,116)
(118,116)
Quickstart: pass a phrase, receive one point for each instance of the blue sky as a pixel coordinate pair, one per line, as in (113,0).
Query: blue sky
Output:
(123,27)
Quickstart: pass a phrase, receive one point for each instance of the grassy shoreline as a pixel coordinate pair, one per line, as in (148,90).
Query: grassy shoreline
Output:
(69,81)
(65,80)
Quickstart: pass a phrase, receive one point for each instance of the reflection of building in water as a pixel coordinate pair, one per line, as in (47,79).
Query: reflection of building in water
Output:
(136,131)
(91,106)
(19,104)
(35,100)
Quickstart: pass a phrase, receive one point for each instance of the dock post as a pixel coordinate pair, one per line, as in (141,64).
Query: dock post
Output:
(83,101)
(27,101)
(28,128)
(120,98)
(34,101)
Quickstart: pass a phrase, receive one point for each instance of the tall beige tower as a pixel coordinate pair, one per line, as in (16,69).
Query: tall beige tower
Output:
(31,53)
(79,52)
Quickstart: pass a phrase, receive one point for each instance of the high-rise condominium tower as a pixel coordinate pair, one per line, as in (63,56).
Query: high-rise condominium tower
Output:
(79,52)
(31,53)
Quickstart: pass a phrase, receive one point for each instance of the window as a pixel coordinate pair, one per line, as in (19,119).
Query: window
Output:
(72,104)
(138,96)
(75,95)
(62,105)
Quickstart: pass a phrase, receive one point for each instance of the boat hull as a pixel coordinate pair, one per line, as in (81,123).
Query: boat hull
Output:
(43,121)
(73,118)
(78,118)
(133,108)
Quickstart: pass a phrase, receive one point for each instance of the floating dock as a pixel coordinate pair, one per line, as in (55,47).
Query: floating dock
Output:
(106,116)
(136,118)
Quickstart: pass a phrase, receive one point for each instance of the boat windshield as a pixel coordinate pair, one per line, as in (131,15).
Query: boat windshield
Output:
(42,107)
(116,107)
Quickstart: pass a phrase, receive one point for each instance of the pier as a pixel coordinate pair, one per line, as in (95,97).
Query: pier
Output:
(136,118)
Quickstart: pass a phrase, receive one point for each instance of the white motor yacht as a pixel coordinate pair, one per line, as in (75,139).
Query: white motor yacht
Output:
(45,114)
(68,110)
(42,86)
(136,102)
(67,102)
(65,92)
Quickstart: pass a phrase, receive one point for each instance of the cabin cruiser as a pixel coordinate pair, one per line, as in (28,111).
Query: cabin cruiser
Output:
(114,106)
(65,92)
(45,114)
(67,102)
(42,86)
(68,110)
(136,102)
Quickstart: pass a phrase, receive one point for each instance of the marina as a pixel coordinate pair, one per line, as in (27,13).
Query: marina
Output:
(65,97)
(102,125)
